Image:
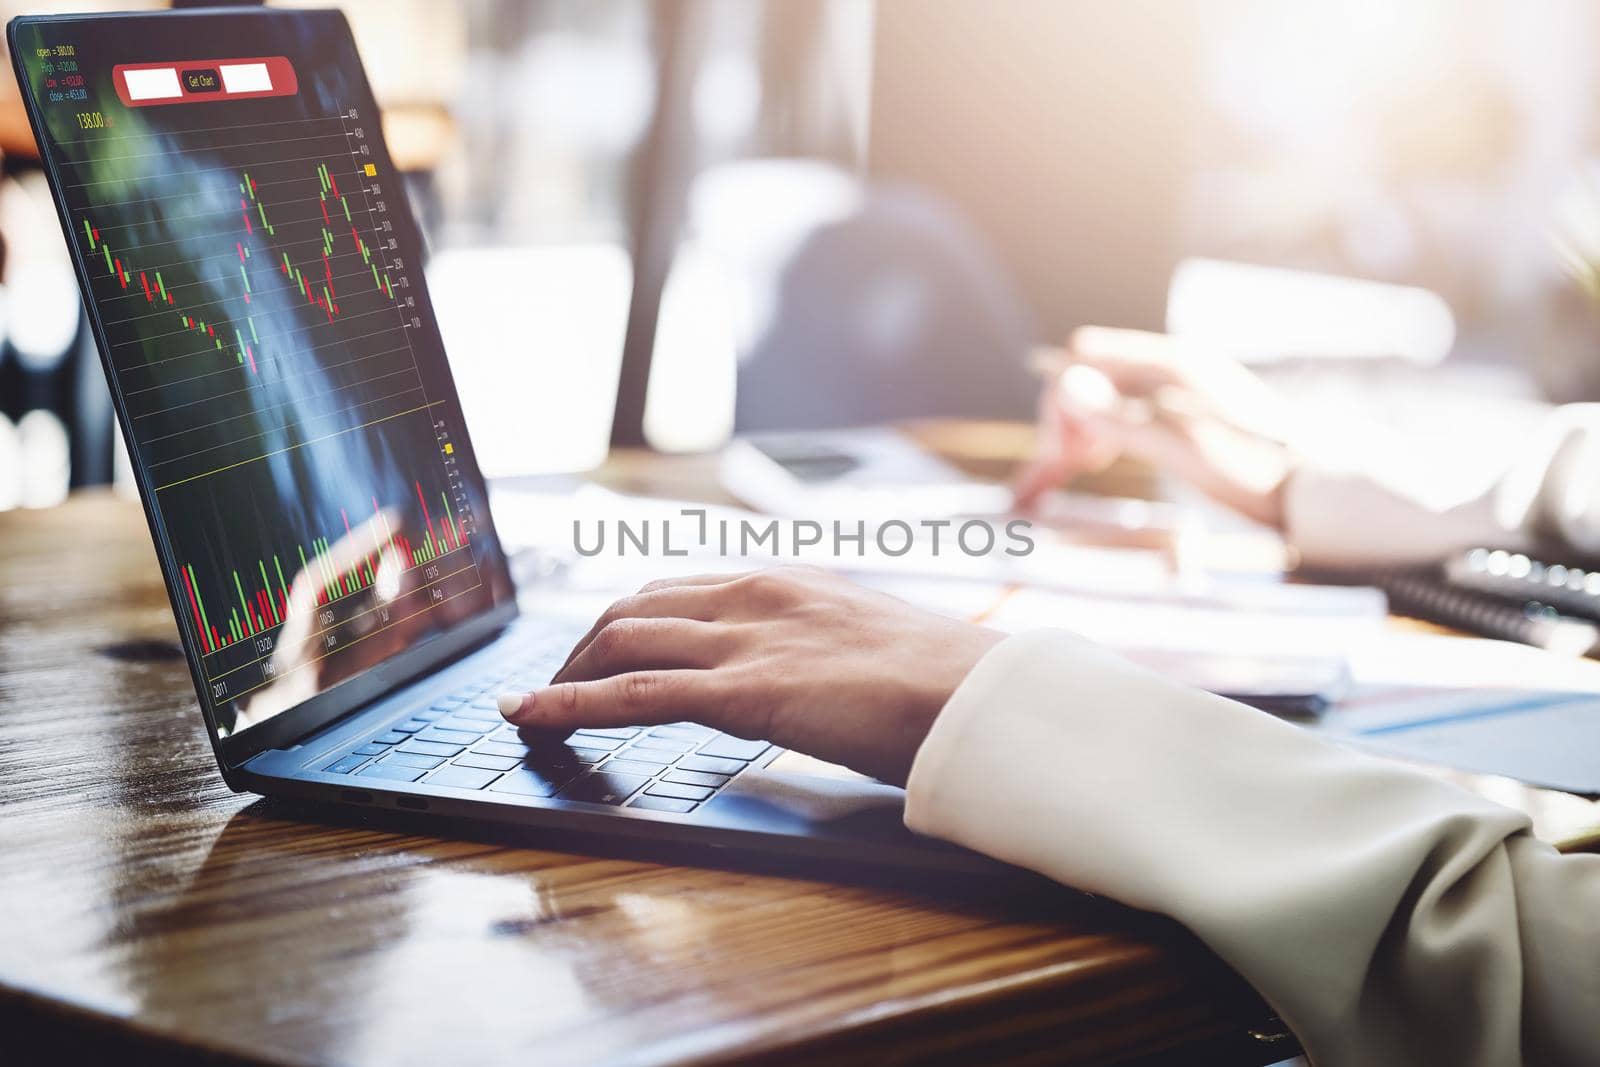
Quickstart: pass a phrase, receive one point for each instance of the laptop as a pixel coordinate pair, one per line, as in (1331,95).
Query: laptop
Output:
(251,270)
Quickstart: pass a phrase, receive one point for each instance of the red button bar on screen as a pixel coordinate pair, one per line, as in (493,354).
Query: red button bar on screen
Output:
(198,81)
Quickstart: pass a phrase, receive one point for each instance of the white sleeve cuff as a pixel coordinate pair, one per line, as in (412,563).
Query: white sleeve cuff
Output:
(1277,848)
(1351,520)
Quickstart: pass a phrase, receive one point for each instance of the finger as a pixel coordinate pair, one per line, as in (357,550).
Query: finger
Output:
(1045,468)
(1166,443)
(641,698)
(1116,341)
(1137,362)
(1041,475)
(1140,363)
(1067,442)
(648,644)
(721,578)
(691,601)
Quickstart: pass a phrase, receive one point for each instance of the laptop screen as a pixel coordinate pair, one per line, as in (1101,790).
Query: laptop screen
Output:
(253,270)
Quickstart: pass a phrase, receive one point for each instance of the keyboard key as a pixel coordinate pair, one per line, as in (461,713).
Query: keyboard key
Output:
(429,715)
(345,764)
(500,748)
(390,738)
(726,747)
(446,737)
(558,758)
(410,726)
(488,763)
(462,777)
(593,741)
(528,782)
(665,744)
(390,770)
(527,683)
(489,714)
(598,787)
(449,705)
(646,755)
(628,766)
(681,792)
(413,759)
(621,733)
(710,765)
(589,755)
(685,730)
(373,749)
(471,726)
(663,804)
(714,781)
(429,748)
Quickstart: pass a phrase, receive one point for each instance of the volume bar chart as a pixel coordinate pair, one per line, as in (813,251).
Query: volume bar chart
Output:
(320,573)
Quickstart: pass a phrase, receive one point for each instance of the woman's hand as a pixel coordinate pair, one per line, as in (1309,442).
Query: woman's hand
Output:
(1202,417)
(793,655)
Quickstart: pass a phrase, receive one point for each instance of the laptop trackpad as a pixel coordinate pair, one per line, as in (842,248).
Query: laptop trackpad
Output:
(795,788)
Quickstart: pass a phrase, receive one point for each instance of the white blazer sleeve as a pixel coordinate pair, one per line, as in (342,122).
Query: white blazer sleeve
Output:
(1389,918)
(1550,490)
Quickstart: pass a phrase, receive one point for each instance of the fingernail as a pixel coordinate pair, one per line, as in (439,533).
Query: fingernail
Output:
(511,703)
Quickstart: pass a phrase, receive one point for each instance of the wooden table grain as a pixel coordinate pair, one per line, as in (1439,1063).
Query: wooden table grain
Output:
(147,914)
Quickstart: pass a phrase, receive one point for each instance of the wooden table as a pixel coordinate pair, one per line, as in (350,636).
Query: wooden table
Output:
(147,913)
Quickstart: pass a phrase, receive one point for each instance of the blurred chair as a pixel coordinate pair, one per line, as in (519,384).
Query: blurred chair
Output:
(895,310)
(800,297)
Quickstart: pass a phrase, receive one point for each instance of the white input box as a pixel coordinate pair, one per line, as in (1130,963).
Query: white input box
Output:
(245,78)
(159,83)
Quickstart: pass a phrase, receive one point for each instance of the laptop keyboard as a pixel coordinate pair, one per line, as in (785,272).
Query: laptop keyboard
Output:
(462,742)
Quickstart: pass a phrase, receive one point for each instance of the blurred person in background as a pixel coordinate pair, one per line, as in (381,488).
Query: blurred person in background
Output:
(1214,424)
(1388,917)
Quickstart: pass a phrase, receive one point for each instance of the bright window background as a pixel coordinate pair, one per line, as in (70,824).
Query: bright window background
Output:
(1452,148)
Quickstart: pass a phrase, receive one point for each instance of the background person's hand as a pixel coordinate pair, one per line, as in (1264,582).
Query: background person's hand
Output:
(793,655)
(1197,415)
